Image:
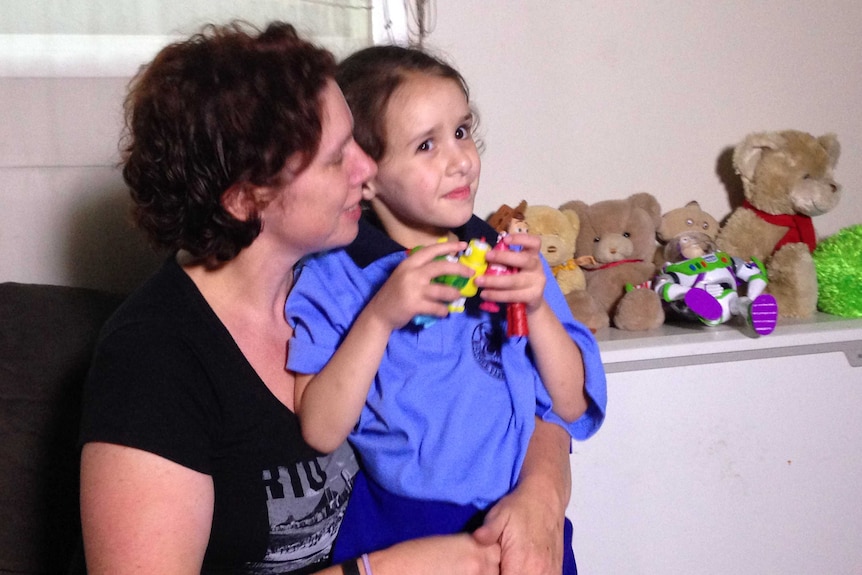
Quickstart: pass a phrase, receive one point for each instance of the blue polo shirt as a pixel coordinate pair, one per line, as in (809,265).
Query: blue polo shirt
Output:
(451,409)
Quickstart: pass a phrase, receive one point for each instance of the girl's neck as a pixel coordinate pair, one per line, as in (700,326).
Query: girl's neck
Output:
(409,234)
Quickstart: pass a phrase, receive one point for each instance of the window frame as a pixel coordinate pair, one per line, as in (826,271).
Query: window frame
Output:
(119,55)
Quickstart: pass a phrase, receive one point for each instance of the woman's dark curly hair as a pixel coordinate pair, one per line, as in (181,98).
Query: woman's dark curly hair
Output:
(370,76)
(227,106)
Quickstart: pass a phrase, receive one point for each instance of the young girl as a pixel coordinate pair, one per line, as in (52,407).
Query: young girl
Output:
(439,415)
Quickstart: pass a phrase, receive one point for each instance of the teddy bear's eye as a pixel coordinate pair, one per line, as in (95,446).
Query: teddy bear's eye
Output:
(806,177)
(705,225)
(597,239)
(689,222)
(626,235)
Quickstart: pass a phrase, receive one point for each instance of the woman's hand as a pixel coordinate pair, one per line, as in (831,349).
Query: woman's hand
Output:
(528,522)
(527,284)
(451,554)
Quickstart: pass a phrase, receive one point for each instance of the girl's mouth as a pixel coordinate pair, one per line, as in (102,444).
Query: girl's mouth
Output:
(461,193)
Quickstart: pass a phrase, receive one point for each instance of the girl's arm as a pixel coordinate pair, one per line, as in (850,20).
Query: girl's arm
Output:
(528,522)
(329,403)
(558,357)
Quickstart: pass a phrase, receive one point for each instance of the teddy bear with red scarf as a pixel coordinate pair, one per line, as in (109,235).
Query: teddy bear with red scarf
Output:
(787,179)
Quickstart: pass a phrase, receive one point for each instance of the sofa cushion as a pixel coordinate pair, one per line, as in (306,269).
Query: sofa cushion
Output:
(47,335)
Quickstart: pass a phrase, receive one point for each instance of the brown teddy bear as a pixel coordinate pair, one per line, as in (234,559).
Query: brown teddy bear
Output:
(559,231)
(620,236)
(787,179)
(689,218)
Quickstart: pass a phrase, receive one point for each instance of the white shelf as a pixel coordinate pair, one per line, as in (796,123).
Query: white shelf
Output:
(677,344)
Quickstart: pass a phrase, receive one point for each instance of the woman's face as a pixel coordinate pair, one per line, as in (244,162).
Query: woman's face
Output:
(427,179)
(318,208)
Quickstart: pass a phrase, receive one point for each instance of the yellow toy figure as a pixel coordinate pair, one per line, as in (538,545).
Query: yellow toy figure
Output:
(474,258)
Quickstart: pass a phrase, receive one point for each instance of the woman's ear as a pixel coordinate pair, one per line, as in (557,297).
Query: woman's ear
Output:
(239,201)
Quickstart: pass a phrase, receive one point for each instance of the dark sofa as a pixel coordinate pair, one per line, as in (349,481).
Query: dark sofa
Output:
(47,335)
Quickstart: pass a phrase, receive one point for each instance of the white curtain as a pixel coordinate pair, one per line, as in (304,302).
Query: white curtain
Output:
(113,37)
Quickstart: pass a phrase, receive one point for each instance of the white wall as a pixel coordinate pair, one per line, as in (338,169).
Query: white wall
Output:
(579,100)
(594,99)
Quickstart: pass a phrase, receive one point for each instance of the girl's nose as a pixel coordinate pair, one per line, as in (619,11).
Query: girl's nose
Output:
(460,161)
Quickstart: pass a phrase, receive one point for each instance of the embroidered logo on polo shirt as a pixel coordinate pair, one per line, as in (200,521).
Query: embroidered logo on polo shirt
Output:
(487,342)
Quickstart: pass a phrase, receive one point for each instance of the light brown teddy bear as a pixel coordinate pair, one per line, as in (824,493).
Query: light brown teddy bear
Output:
(689,218)
(559,231)
(620,235)
(787,179)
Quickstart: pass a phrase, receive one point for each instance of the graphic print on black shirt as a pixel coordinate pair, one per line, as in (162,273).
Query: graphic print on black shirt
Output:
(306,504)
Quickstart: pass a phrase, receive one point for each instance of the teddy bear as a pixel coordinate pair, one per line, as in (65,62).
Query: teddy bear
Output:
(787,179)
(689,218)
(620,237)
(558,230)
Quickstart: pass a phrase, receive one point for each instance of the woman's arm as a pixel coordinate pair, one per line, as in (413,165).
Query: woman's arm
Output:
(450,554)
(142,513)
(528,522)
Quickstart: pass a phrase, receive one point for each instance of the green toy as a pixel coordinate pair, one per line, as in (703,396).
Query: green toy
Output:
(838,260)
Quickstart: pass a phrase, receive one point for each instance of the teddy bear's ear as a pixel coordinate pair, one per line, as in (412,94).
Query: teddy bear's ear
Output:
(577,206)
(832,147)
(747,153)
(573,218)
(649,204)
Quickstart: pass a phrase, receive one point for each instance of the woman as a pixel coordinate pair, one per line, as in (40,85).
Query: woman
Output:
(240,158)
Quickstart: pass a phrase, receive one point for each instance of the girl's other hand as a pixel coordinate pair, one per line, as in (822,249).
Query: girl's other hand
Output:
(527,284)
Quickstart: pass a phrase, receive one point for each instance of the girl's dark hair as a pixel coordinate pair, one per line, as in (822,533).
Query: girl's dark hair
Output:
(227,106)
(370,76)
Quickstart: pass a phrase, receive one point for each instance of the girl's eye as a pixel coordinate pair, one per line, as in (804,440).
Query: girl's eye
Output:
(463,132)
(425,146)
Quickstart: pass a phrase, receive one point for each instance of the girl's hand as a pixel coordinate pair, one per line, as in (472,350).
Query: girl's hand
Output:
(527,283)
(411,291)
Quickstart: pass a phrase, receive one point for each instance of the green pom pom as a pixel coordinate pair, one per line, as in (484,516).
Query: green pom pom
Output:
(838,260)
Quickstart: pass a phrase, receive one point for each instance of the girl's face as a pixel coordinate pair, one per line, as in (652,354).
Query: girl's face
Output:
(318,208)
(427,179)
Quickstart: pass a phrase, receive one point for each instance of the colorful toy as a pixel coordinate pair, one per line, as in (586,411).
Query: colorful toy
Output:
(787,179)
(701,282)
(839,272)
(472,257)
(507,220)
(689,218)
(620,236)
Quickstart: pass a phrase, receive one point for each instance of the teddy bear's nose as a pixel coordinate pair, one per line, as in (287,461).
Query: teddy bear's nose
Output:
(552,249)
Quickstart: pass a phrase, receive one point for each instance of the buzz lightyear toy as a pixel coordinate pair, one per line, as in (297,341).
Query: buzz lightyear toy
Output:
(701,282)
